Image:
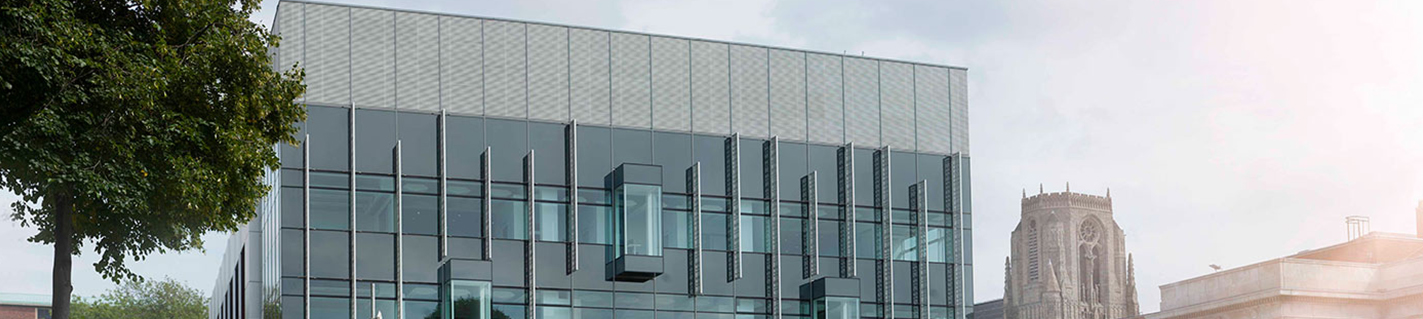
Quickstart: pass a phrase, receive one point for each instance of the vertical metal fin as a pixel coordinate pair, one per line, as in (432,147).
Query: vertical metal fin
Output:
(488,220)
(306,211)
(531,244)
(733,226)
(572,153)
(920,278)
(399,234)
(444,197)
(771,178)
(882,199)
(810,237)
(846,174)
(694,186)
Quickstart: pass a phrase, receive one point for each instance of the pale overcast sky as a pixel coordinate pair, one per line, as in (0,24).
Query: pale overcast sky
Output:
(1230,132)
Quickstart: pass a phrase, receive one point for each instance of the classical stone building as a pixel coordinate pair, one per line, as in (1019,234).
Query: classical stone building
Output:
(1069,260)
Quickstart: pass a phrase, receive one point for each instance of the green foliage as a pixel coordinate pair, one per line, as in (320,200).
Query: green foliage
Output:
(152,121)
(144,299)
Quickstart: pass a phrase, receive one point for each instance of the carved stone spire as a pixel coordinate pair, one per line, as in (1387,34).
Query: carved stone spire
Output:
(1132,304)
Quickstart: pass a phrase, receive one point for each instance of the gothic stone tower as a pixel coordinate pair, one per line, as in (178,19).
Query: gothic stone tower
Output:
(1069,261)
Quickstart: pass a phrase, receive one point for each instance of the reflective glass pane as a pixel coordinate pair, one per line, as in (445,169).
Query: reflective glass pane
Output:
(375,183)
(552,223)
(465,216)
(792,235)
(464,188)
(865,177)
(509,219)
(416,185)
(754,234)
(905,174)
(375,211)
(551,193)
(905,243)
(293,252)
(421,258)
(508,311)
(755,206)
(418,144)
(595,224)
(752,168)
(330,137)
(792,167)
(711,152)
(420,214)
(549,142)
(830,238)
(375,256)
(385,307)
(293,207)
(638,209)
(633,300)
(422,309)
(673,151)
(588,298)
(632,146)
(330,254)
(714,231)
(508,150)
(465,299)
(937,241)
(330,209)
(468,248)
(465,138)
(375,138)
(508,191)
(594,196)
(676,229)
(867,240)
(837,308)
(595,157)
(333,308)
(330,180)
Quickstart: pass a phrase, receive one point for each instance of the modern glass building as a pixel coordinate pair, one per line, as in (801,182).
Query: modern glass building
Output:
(465,167)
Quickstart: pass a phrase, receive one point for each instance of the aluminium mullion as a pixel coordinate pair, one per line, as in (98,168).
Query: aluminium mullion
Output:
(694,185)
(572,152)
(529,275)
(399,233)
(771,177)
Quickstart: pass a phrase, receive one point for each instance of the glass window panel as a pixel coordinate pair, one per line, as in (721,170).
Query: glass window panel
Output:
(632,146)
(550,144)
(551,193)
(676,201)
(421,258)
(676,303)
(416,185)
(869,309)
(938,219)
(509,295)
(464,188)
(330,137)
(931,169)
(465,217)
(755,206)
(825,161)
(676,229)
(330,209)
(383,289)
(711,152)
(508,150)
(468,248)
(792,167)
(420,214)
(293,252)
(465,138)
(904,243)
(553,312)
(716,304)
(749,305)
(867,240)
(675,315)
(595,157)
(830,238)
(866,214)
(552,223)
(629,300)
(292,177)
(330,180)
(937,243)
(633,314)
(673,151)
(754,234)
(375,183)
(293,307)
(594,196)
(793,209)
(595,224)
(792,235)
(509,219)
(638,209)
(375,256)
(837,308)
(865,177)
(508,191)
(323,307)
(587,298)
(429,292)
(293,286)
(471,299)
(829,211)
(422,309)
(904,311)
(714,204)
(290,154)
(714,231)
(375,134)
(330,254)
(331,288)
(752,168)
(903,216)
(555,297)
(375,212)
(418,144)
(508,311)
(591,313)
(293,207)
(904,172)
(386,308)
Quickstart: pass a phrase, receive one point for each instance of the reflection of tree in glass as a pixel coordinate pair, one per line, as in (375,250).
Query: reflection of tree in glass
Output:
(468,308)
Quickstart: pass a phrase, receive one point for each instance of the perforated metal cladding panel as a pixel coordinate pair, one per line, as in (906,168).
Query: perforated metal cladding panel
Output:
(291,19)
(710,92)
(504,69)
(862,102)
(749,114)
(588,76)
(897,105)
(825,103)
(417,62)
(931,106)
(632,106)
(671,95)
(461,66)
(372,57)
(787,71)
(328,54)
(548,73)
(958,100)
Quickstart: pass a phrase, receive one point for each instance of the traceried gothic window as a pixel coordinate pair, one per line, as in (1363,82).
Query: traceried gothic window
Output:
(1033,250)
(1091,261)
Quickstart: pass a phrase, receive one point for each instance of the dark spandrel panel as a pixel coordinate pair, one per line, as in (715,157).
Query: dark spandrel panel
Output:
(753,280)
(631,300)
(711,152)
(791,273)
(421,258)
(330,254)
(595,155)
(551,222)
(422,309)
(508,191)
(903,273)
(509,264)
(292,178)
(293,253)
(508,311)
(326,307)
(550,267)
(752,168)
(464,188)
(931,169)
(824,160)
(293,207)
(509,218)
(330,138)
(939,284)
(375,141)
(508,295)
(293,307)
(632,146)
(464,140)
(375,183)
(375,212)
(464,216)
(419,142)
(595,224)
(291,153)
(673,151)
(793,166)
(792,235)
(420,214)
(590,298)
(467,248)
(330,288)
(674,272)
(550,145)
(330,209)
(714,275)
(869,273)
(416,185)
(904,173)
(293,286)
(714,232)
(676,229)
(375,256)
(329,180)
(867,240)
(865,177)
(509,144)
(829,241)
(592,313)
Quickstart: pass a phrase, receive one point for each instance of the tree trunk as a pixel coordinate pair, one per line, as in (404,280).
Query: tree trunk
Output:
(63,254)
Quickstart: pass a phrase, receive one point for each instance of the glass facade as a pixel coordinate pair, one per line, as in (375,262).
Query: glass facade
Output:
(384,195)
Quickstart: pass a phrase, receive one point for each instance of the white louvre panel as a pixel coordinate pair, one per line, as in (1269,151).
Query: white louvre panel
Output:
(710,88)
(631,103)
(748,91)
(291,50)
(787,73)
(548,73)
(825,103)
(931,109)
(671,98)
(861,102)
(372,57)
(588,70)
(958,100)
(461,66)
(897,105)
(417,63)
(328,54)
(504,69)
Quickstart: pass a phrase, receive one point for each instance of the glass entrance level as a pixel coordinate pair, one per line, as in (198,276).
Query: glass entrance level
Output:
(465,299)
(837,308)
(639,212)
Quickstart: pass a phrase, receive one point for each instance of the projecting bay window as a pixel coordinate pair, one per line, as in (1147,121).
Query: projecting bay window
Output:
(835,298)
(637,207)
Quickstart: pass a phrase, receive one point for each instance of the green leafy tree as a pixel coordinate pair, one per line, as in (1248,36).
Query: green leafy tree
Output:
(144,299)
(136,126)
